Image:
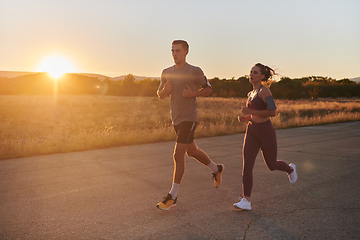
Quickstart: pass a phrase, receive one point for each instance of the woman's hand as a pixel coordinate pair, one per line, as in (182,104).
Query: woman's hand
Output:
(246,110)
(244,118)
(241,118)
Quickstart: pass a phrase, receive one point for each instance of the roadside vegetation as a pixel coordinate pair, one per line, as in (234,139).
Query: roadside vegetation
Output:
(312,87)
(37,125)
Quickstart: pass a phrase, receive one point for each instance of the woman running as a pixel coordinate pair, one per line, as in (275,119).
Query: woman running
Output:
(260,133)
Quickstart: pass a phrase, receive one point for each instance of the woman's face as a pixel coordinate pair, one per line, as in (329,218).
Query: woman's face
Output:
(255,75)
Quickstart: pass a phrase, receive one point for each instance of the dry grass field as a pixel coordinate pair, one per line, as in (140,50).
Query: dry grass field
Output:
(36,125)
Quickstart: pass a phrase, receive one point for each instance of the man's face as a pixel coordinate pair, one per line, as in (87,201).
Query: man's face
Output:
(178,53)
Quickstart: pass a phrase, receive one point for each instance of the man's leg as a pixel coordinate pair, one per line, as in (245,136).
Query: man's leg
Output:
(179,162)
(217,169)
(178,174)
(195,152)
(185,144)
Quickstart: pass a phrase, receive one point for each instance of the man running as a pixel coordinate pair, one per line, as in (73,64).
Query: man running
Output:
(181,82)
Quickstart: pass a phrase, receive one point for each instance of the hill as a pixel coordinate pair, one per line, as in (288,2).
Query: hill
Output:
(102,77)
(14,74)
(137,78)
(355,79)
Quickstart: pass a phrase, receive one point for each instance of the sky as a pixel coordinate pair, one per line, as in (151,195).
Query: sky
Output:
(298,38)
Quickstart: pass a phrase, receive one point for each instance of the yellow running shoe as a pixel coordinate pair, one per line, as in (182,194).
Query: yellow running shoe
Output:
(167,203)
(218,176)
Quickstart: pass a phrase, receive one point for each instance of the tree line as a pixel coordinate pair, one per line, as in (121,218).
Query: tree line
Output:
(75,84)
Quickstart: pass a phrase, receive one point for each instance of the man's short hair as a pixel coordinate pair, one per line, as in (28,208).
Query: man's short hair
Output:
(184,44)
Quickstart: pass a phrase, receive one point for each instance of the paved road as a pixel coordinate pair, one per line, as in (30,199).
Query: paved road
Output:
(112,193)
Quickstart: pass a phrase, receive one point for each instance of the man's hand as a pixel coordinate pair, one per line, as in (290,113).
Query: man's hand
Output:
(167,87)
(163,93)
(188,93)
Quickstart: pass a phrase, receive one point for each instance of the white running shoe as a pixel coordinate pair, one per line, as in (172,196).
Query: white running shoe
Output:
(243,204)
(292,176)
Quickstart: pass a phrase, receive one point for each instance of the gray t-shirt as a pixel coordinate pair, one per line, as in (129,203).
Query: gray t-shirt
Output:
(183,109)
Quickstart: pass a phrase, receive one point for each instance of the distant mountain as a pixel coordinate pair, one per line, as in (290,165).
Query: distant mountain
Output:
(98,76)
(102,77)
(137,78)
(355,79)
(14,74)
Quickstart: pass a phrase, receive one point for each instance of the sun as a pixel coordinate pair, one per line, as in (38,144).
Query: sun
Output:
(56,66)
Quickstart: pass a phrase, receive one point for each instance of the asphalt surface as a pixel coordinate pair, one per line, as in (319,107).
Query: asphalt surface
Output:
(112,193)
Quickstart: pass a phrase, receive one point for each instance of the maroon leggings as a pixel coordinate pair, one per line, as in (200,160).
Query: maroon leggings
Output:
(260,136)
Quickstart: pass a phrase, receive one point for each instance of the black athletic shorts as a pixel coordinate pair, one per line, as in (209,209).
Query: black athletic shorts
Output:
(185,132)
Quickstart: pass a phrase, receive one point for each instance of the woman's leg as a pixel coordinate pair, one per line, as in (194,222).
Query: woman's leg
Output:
(250,150)
(268,145)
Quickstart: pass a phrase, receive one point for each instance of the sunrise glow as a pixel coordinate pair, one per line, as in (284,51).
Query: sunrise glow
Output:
(56,66)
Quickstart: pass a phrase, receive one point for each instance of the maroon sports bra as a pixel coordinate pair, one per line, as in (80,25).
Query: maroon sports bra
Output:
(256,103)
